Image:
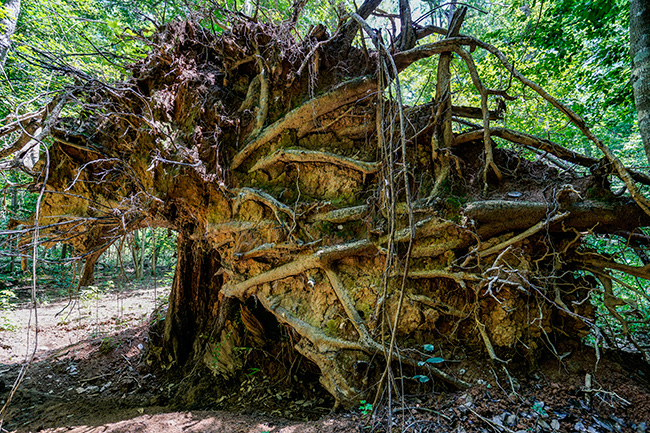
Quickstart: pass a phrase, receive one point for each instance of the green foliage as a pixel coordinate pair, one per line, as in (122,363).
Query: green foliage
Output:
(578,50)
(90,294)
(109,344)
(365,407)
(7,302)
(58,41)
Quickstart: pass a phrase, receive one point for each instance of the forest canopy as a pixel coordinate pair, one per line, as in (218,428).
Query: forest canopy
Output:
(352,185)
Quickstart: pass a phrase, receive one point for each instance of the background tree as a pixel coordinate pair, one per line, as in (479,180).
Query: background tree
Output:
(640,48)
(8,17)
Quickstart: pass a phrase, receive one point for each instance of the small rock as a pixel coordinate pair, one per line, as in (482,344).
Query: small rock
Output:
(620,421)
(511,420)
(579,427)
(498,419)
(543,424)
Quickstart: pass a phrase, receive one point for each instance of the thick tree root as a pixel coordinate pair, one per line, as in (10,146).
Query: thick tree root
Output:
(302,118)
(310,156)
(317,260)
(275,205)
(343,215)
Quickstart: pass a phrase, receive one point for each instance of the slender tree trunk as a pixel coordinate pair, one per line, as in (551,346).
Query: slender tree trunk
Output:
(137,251)
(154,252)
(88,275)
(8,26)
(14,209)
(640,53)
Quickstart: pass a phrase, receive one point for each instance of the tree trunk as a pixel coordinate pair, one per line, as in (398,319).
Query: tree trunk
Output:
(640,52)
(14,209)
(88,274)
(197,314)
(8,27)
(154,252)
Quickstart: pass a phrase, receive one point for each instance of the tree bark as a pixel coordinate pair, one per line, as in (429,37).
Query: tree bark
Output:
(8,27)
(195,307)
(88,274)
(640,52)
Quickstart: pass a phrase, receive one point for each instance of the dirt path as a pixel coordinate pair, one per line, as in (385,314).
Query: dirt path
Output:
(89,375)
(67,322)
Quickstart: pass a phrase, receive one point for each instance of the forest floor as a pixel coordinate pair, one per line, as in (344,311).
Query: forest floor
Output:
(89,375)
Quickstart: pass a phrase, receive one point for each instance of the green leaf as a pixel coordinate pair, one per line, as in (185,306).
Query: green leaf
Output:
(428,347)
(421,378)
(435,360)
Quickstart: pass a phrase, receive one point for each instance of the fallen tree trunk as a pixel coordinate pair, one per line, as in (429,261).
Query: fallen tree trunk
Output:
(298,232)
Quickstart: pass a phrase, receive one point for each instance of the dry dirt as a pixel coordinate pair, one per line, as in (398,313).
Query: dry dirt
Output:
(89,375)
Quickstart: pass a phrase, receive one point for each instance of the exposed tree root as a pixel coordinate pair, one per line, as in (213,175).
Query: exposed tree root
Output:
(341,215)
(303,117)
(317,260)
(531,231)
(532,141)
(310,156)
(276,206)
(360,260)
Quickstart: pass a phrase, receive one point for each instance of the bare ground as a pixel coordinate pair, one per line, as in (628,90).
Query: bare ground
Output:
(89,375)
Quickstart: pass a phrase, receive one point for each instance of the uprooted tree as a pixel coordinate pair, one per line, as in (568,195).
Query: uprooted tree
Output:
(313,207)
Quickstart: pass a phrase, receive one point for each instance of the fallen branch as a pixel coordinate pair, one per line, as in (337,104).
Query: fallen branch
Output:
(532,141)
(520,237)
